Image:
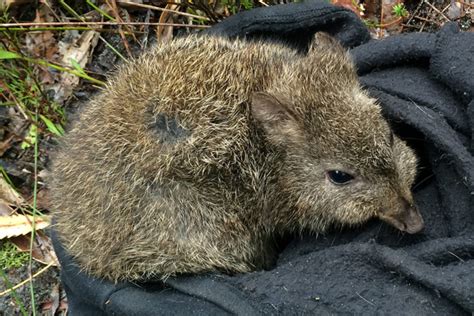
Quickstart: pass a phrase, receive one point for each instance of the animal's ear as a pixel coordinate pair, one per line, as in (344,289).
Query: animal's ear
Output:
(324,42)
(326,53)
(275,116)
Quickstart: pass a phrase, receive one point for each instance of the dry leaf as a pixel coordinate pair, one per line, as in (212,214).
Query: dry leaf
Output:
(42,44)
(5,209)
(42,247)
(77,47)
(6,144)
(17,225)
(165,33)
(8,194)
(42,200)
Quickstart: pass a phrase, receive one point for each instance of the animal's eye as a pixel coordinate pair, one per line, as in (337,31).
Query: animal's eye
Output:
(338,177)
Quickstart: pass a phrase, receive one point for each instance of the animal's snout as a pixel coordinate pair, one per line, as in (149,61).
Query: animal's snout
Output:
(406,218)
(413,221)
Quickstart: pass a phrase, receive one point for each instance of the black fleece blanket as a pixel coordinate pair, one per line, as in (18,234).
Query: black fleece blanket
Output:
(425,84)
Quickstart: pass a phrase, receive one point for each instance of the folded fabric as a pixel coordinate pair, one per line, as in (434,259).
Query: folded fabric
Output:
(425,85)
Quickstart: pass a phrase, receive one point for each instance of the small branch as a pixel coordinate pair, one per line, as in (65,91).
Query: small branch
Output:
(113,5)
(390,23)
(466,3)
(414,12)
(426,20)
(151,7)
(74,28)
(436,9)
(46,24)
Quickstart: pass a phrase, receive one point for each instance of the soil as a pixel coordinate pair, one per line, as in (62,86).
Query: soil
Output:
(45,286)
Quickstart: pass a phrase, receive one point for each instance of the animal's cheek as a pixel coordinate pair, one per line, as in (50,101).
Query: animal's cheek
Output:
(354,211)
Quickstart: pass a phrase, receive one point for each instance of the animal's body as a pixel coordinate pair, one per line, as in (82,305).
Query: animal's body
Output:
(202,150)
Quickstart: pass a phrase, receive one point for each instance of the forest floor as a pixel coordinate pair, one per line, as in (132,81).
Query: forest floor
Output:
(55,55)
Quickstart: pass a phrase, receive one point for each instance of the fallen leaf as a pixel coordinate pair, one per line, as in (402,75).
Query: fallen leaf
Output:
(165,33)
(75,50)
(42,247)
(17,225)
(8,194)
(42,44)
(42,200)
(6,144)
(5,209)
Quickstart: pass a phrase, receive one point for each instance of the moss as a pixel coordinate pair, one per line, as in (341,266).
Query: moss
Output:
(10,257)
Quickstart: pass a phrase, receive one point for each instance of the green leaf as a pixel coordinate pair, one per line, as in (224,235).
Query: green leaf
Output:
(4,54)
(53,128)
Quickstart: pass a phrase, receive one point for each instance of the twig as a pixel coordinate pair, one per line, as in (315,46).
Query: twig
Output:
(65,28)
(113,5)
(466,3)
(436,9)
(446,8)
(426,20)
(27,280)
(415,12)
(381,21)
(151,7)
(411,26)
(15,100)
(33,24)
(390,23)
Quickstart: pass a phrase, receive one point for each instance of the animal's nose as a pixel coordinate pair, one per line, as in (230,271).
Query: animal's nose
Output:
(411,218)
(406,217)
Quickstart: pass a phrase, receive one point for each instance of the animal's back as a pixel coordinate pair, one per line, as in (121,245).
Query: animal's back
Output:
(133,179)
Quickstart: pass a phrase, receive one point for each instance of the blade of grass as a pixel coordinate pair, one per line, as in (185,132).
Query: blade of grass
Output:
(53,128)
(102,12)
(33,231)
(60,68)
(113,49)
(70,10)
(80,74)
(8,55)
(100,37)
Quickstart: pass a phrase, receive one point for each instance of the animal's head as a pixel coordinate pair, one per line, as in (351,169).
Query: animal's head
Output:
(343,164)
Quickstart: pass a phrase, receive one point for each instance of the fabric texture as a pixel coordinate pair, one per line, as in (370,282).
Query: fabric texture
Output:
(425,85)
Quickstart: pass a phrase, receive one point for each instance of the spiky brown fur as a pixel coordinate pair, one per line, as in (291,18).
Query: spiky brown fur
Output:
(199,152)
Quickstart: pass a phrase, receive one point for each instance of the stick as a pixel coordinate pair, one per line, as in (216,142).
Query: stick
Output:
(33,24)
(27,280)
